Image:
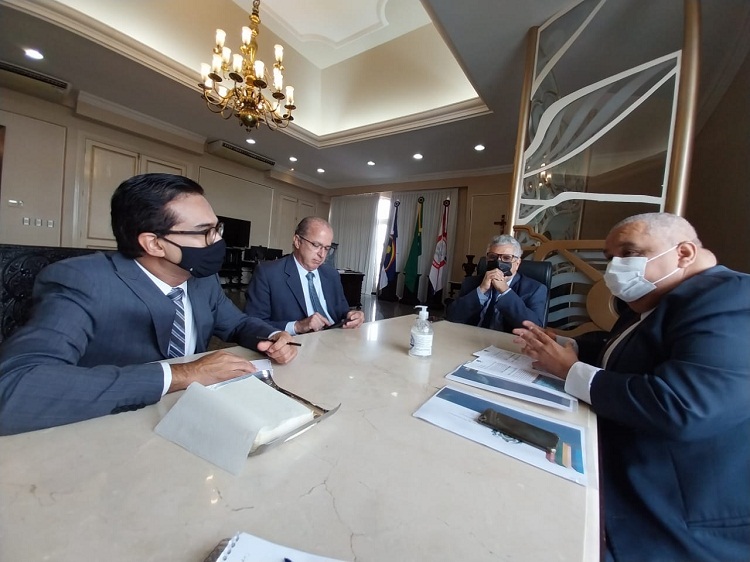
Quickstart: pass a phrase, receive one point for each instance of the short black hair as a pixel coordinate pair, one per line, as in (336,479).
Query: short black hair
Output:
(139,205)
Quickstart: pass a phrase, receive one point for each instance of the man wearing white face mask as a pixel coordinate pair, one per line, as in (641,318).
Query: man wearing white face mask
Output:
(672,396)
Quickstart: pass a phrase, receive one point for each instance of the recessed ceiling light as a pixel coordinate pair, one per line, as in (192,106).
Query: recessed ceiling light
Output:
(321,170)
(292,158)
(250,141)
(371,163)
(417,156)
(33,54)
(479,147)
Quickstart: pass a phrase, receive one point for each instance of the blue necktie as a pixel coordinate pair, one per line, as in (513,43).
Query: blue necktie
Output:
(314,298)
(177,339)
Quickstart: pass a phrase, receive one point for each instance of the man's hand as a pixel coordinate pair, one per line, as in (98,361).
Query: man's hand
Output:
(312,323)
(496,279)
(354,319)
(209,369)
(277,349)
(547,354)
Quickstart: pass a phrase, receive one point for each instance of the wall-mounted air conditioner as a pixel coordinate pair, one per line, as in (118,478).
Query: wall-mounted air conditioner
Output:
(238,154)
(32,82)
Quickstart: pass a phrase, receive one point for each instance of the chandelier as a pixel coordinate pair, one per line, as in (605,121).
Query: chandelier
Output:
(238,84)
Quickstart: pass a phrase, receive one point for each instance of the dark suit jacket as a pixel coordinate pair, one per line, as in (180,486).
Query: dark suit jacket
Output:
(275,293)
(526,301)
(674,426)
(97,324)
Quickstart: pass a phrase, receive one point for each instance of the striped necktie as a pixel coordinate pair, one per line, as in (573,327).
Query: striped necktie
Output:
(314,298)
(177,339)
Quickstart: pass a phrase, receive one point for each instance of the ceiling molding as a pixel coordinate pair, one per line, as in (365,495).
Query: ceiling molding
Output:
(430,118)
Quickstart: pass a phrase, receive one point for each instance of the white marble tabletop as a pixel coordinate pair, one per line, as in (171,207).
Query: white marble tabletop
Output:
(370,483)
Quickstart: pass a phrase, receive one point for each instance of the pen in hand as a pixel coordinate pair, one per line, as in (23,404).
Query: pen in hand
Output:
(261,338)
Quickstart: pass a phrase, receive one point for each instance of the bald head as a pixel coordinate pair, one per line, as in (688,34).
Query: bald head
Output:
(666,227)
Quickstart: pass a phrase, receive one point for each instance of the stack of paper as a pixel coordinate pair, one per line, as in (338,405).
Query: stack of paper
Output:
(244,547)
(224,424)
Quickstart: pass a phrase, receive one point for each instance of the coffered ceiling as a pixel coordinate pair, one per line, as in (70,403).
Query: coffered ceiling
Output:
(375,80)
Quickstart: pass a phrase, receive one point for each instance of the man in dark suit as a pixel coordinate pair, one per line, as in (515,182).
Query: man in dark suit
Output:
(672,395)
(500,298)
(300,293)
(102,322)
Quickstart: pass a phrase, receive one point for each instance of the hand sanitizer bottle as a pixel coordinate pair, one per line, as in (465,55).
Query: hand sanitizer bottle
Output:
(421,335)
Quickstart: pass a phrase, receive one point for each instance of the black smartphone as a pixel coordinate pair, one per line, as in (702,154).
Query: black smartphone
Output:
(535,436)
(336,325)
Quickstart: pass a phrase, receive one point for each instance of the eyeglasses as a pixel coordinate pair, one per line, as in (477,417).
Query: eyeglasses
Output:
(212,234)
(317,245)
(507,258)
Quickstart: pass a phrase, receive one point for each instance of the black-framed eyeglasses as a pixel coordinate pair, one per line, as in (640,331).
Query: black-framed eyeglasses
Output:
(507,258)
(211,234)
(317,245)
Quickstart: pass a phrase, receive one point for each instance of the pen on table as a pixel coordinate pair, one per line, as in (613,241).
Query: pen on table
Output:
(261,338)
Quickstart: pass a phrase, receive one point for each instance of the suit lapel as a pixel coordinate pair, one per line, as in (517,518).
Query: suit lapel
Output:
(203,318)
(294,283)
(159,306)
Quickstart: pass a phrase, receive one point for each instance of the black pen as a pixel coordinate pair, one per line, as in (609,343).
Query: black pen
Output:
(261,338)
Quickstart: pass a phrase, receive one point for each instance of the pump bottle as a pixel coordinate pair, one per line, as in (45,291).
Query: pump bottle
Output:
(421,335)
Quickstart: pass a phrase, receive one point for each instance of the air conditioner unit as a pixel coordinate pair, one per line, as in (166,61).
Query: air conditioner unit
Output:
(238,154)
(32,82)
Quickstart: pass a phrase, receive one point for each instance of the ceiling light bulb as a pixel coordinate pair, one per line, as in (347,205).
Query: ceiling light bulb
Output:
(417,156)
(479,147)
(250,141)
(371,163)
(33,54)
(292,158)
(321,170)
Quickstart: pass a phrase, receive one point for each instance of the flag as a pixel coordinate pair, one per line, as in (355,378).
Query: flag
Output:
(388,270)
(437,273)
(411,270)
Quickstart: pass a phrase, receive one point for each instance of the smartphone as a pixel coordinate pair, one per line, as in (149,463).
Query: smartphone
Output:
(535,436)
(336,325)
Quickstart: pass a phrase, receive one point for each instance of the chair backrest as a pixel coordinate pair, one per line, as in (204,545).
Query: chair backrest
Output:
(19,266)
(538,270)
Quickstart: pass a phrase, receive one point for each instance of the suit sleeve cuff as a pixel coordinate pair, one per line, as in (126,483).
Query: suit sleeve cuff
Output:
(289,328)
(579,380)
(483,297)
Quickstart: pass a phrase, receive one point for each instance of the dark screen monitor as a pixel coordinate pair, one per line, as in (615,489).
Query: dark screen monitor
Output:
(274,253)
(236,232)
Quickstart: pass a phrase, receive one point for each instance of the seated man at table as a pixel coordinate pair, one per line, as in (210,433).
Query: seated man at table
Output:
(671,390)
(102,323)
(300,293)
(501,298)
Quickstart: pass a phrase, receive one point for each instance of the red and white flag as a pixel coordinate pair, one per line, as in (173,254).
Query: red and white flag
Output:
(437,271)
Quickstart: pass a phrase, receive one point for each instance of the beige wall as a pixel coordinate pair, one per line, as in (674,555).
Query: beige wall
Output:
(45,165)
(491,191)
(718,202)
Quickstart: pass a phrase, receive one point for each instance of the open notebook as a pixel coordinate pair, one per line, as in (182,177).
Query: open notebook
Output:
(226,423)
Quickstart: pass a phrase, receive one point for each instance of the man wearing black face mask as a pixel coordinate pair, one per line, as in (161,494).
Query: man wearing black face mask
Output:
(103,323)
(500,298)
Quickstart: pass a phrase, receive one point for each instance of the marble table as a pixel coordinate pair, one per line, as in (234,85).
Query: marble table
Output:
(370,483)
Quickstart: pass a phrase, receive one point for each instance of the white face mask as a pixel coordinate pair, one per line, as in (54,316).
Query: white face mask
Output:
(626,277)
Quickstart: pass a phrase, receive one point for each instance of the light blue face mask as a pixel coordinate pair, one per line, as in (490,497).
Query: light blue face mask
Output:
(626,277)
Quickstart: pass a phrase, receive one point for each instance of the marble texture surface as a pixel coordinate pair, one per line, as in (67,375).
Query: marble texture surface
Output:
(371,483)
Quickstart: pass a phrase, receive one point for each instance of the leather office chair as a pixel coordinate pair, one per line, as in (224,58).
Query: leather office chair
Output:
(538,270)
(19,266)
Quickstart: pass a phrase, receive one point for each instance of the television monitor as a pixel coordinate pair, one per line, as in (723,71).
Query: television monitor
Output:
(236,232)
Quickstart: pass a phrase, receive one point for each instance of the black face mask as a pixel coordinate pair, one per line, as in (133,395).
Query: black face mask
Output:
(501,265)
(202,262)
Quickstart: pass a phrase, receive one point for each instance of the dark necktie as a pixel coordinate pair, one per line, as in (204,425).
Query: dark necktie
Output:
(489,310)
(177,339)
(314,298)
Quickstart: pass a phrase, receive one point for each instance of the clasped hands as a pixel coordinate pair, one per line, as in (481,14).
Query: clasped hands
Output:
(224,365)
(317,322)
(541,345)
(495,279)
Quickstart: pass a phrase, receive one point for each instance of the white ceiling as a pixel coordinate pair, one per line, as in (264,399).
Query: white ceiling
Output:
(147,59)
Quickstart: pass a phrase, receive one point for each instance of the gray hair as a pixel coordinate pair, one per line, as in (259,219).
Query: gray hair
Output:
(506,240)
(671,228)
